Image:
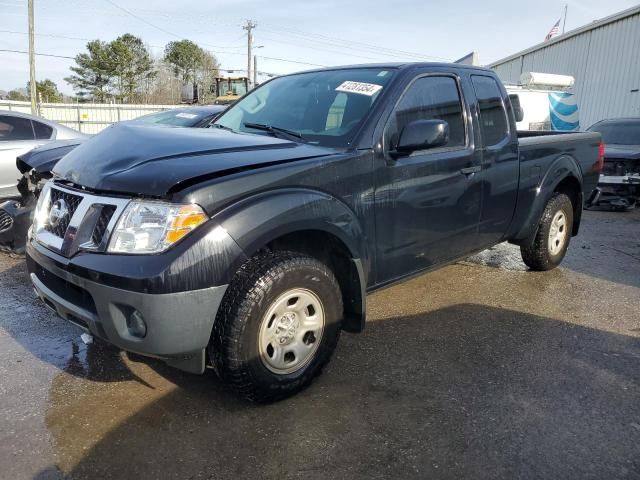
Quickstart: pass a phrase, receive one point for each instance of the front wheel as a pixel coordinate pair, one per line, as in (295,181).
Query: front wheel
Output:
(552,236)
(277,327)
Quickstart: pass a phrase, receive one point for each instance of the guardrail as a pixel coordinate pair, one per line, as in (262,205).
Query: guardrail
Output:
(85,117)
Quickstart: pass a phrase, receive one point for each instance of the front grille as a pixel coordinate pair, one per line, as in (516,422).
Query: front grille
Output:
(6,221)
(74,220)
(71,202)
(101,225)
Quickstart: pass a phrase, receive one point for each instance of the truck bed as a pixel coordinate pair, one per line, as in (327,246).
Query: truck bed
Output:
(539,150)
(547,146)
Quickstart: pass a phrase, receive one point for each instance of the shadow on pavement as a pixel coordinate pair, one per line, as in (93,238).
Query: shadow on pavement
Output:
(465,391)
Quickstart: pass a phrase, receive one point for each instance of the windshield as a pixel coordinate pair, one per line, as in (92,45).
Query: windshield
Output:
(325,108)
(177,118)
(619,133)
(238,87)
(234,86)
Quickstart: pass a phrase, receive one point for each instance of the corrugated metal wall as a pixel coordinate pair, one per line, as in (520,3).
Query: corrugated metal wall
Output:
(605,62)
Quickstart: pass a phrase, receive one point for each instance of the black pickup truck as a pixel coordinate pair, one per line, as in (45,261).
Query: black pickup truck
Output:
(248,247)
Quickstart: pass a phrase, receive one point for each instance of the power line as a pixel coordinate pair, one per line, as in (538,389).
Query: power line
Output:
(291,61)
(142,19)
(38,54)
(90,39)
(46,35)
(343,53)
(351,43)
(260,72)
(334,41)
(137,17)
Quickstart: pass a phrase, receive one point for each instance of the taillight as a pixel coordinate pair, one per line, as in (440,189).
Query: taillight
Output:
(599,165)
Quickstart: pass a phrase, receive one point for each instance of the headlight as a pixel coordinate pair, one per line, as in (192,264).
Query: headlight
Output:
(40,214)
(152,227)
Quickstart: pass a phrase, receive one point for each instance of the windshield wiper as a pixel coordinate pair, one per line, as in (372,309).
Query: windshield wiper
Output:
(217,125)
(274,130)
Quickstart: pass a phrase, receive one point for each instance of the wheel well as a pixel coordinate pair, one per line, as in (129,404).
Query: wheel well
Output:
(330,250)
(570,186)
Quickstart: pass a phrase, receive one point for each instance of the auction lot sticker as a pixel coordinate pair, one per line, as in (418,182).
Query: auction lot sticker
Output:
(361,88)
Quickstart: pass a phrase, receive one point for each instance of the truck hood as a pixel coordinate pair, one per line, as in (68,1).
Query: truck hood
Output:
(153,161)
(622,152)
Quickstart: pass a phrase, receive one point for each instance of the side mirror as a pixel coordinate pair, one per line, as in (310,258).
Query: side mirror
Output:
(518,112)
(421,135)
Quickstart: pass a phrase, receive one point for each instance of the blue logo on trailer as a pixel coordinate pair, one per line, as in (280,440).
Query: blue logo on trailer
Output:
(563,112)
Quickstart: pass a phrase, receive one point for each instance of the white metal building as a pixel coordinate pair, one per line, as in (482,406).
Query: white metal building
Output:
(604,58)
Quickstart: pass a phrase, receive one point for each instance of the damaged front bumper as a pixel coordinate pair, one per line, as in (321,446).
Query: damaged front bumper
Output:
(16,215)
(617,191)
(175,327)
(15,220)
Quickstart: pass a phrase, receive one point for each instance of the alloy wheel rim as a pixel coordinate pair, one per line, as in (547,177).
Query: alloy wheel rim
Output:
(557,233)
(291,331)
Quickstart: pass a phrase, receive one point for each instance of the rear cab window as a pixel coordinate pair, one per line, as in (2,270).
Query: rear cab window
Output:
(494,123)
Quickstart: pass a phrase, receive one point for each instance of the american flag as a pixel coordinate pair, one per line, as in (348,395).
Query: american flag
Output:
(554,31)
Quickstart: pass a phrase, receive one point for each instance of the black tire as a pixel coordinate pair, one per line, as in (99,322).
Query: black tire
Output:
(536,254)
(233,348)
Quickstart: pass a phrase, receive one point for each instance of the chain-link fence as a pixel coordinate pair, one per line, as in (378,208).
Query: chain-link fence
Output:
(85,117)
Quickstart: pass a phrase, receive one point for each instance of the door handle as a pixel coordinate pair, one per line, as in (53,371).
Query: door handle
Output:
(470,170)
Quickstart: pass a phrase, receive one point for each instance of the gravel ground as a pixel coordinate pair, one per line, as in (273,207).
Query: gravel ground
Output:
(479,370)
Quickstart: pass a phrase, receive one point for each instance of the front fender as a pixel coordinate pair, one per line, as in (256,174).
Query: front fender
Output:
(259,219)
(561,168)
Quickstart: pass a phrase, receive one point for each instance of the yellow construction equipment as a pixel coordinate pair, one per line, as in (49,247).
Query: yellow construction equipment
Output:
(229,89)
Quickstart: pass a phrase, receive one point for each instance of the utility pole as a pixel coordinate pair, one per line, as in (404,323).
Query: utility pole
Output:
(255,71)
(564,18)
(32,61)
(249,27)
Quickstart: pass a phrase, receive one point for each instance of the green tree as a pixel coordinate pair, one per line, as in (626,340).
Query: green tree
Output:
(17,94)
(47,91)
(94,71)
(132,65)
(205,75)
(185,57)
(116,69)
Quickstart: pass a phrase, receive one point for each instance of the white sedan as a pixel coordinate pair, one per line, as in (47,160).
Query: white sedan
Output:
(19,133)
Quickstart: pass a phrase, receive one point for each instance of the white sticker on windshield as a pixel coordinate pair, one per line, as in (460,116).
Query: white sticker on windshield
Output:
(186,115)
(368,89)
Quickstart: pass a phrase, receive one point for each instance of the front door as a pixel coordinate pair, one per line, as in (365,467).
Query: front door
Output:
(427,209)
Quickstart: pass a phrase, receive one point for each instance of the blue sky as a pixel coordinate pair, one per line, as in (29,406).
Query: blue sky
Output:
(322,32)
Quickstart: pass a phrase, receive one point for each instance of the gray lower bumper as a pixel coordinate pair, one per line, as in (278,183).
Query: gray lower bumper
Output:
(178,325)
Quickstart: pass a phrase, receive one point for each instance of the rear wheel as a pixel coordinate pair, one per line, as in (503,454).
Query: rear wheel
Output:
(278,325)
(552,236)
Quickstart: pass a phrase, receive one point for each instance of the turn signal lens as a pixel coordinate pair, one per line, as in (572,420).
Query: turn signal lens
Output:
(187,218)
